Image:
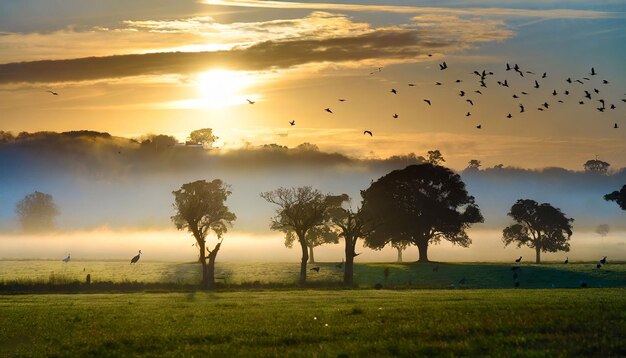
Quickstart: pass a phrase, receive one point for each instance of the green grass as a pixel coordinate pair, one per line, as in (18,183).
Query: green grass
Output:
(315,323)
(409,275)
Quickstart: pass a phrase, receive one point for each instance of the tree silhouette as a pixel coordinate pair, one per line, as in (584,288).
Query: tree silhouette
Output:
(420,204)
(596,166)
(351,225)
(299,210)
(603,230)
(200,209)
(203,136)
(316,236)
(618,196)
(539,226)
(435,157)
(473,164)
(36,212)
(400,246)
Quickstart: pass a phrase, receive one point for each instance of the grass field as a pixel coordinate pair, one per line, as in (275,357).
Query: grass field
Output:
(313,323)
(477,275)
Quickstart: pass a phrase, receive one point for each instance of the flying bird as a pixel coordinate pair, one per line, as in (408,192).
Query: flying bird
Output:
(136,258)
(544,75)
(250,101)
(587,94)
(293,123)
(612,106)
(554,93)
(536,84)
(545,104)
(393,90)
(569,80)
(67,259)
(479,126)
(579,81)
(462,93)
(479,92)
(509,116)
(468,114)
(605,82)
(593,71)
(458,81)
(428,101)
(411,84)
(395,115)
(368,132)
(515,96)
(438,83)
(469,101)
(342,99)
(328,110)
(615,126)
(521,108)
(596,90)
(443,66)
(566,92)
(53,93)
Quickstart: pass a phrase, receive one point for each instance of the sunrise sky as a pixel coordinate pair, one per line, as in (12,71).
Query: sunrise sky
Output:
(130,68)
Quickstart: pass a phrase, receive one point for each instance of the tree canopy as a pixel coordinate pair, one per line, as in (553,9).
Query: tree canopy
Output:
(200,209)
(203,136)
(36,212)
(618,196)
(419,205)
(596,166)
(435,157)
(539,226)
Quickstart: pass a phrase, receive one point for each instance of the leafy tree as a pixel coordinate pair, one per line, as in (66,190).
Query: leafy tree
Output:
(618,196)
(539,226)
(400,246)
(351,226)
(603,230)
(299,210)
(316,236)
(36,212)
(435,157)
(473,164)
(203,136)
(159,141)
(200,209)
(420,204)
(596,166)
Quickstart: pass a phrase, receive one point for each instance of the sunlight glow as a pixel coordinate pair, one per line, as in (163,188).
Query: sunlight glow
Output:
(223,88)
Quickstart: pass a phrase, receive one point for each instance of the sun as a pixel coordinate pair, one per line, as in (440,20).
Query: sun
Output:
(223,88)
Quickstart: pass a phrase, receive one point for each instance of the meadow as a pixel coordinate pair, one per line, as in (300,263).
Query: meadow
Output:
(317,323)
(399,275)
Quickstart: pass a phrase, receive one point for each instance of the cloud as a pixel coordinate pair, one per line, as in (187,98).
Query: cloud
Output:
(399,44)
(482,11)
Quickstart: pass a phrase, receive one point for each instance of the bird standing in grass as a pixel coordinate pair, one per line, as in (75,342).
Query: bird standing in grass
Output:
(566,260)
(136,258)
(603,261)
(519,260)
(67,259)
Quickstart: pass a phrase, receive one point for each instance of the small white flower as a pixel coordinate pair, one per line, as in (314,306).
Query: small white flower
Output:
(315,318)
(325,324)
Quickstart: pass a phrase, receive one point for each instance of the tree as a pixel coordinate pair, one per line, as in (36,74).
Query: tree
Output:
(400,246)
(435,157)
(618,196)
(299,210)
(156,142)
(203,136)
(36,212)
(315,237)
(419,205)
(200,209)
(603,230)
(596,166)
(351,225)
(473,164)
(539,226)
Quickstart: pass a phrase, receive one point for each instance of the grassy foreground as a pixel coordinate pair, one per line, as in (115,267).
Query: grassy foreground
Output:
(342,323)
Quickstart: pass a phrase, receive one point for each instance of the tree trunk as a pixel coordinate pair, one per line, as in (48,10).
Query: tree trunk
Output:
(422,247)
(399,253)
(348,269)
(202,247)
(311,257)
(210,267)
(537,255)
(305,258)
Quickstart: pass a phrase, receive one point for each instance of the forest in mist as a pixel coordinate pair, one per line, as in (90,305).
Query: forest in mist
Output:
(101,181)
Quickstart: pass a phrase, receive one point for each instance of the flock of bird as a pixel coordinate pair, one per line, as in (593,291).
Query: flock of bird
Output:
(591,94)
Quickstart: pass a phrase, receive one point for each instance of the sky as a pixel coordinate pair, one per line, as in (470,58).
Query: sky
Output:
(133,68)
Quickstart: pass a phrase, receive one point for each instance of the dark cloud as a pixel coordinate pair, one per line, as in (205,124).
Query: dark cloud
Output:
(380,44)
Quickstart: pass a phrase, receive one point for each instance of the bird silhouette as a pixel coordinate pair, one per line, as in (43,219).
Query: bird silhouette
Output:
(293,123)
(615,126)
(468,114)
(581,102)
(316,269)
(411,84)
(544,75)
(438,83)
(587,95)
(136,258)
(509,116)
(593,71)
(53,93)
(519,259)
(462,93)
(479,126)
(508,67)
(545,104)
(67,259)
(469,101)
(250,101)
(342,99)
(554,93)
(603,261)
(605,82)
(602,101)
(612,106)
(600,109)
(483,84)
(524,93)
(395,115)
(566,92)
(458,81)
(479,92)
(566,260)
(428,101)
(368,132)
(536,84)
(579,81)
(596,90)
(569,80)
(393,90)
(599,266)
(515,96)
(443,66)
(328,110)
(521,108)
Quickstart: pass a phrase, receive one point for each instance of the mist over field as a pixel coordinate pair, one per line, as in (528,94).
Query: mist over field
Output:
(115,196)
